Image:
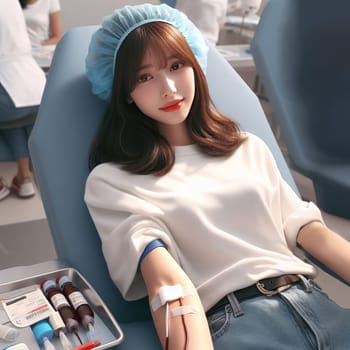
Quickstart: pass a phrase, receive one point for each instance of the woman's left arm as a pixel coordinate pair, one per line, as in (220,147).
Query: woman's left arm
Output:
(190,331)
(326,246)
(55,29)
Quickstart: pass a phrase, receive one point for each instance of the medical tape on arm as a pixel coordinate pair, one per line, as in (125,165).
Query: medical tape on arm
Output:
(169,293)
(184,310)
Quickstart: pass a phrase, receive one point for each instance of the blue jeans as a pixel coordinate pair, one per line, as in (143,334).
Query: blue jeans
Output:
(301,318)
(16,138)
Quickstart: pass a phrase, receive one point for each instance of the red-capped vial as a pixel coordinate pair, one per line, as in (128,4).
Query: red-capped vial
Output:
(61,304)
(78,301)
(88,346)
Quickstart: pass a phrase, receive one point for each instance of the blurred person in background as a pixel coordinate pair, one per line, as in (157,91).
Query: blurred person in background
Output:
(22,82)
(43,20)
(208,15)
(244,7)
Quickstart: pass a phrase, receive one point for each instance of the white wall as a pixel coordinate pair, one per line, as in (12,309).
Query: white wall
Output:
(77,13)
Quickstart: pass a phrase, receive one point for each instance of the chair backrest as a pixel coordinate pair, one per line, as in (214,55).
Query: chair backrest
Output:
(59,144)
(301,52)
(171,3)
(276,53)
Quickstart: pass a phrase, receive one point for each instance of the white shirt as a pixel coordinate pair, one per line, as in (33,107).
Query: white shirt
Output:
(207,15)
(228,221)
(37,17)
(20,75)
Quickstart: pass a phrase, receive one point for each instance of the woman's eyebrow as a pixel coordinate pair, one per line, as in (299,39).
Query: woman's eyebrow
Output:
(173,56)
(145,66)
(151,65)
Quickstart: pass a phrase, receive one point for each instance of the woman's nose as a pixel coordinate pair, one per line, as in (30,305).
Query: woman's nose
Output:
(168,86)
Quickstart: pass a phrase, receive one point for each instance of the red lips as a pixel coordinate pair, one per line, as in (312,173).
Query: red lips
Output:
(172,106)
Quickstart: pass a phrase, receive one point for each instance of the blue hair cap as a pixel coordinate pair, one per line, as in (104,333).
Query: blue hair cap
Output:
(106,41)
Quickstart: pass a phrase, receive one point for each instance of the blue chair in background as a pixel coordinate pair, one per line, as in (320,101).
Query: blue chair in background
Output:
(301,51)
(59,144)
(171,3)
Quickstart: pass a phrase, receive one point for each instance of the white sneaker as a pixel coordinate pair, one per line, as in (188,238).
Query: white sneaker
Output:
(24,189)
(4,190)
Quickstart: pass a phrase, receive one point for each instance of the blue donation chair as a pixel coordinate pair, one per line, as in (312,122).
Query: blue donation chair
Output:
(302,53)
(59,144)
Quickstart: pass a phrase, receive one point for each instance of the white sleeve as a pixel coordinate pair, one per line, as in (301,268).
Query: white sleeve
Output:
(294,212)
(126,225)
(54,6)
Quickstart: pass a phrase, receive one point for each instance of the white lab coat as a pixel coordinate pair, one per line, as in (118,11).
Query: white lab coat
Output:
(20,74)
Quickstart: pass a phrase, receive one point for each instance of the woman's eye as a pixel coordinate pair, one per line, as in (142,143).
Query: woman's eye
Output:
(176,66)
(143,78)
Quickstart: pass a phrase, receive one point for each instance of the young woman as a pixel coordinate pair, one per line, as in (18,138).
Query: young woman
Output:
(22,83)
(172,191)
(208,15)
(43,20)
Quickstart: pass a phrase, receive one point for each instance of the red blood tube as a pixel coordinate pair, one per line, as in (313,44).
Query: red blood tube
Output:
(61,304)
(78,301)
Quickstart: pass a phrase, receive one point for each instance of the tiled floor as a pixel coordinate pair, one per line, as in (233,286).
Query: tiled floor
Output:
(25,243)
(14,210)
(24,232)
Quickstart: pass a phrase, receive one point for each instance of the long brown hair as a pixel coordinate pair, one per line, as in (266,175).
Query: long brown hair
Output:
(128,137)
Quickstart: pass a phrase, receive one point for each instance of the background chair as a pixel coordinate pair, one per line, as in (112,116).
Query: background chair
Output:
(301,52)
(59,144)
(171,3)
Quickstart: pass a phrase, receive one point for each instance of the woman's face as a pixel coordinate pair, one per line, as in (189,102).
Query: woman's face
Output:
(164,94)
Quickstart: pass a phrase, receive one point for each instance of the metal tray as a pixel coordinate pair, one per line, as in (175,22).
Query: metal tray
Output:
(107,330)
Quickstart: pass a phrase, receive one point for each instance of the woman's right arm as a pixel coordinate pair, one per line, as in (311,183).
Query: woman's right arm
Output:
(189,331)
(55,29)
